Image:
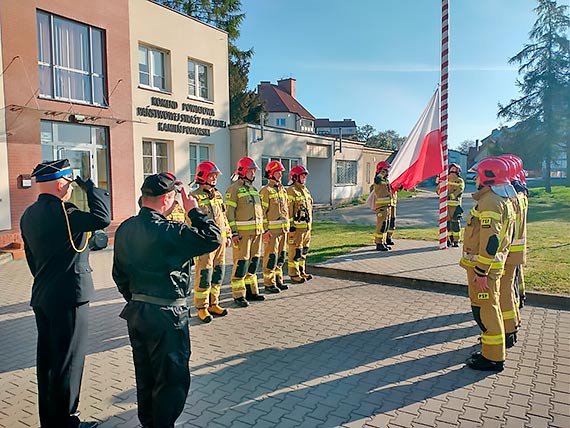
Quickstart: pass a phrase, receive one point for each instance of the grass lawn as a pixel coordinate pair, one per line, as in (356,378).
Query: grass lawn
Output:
(548,258)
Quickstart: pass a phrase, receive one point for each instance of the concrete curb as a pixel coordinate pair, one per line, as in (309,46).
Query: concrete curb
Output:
(534,298)
(5,258)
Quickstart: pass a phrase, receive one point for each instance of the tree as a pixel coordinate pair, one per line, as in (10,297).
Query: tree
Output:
(389,139)
(245,105)
(545,68)
(465,145)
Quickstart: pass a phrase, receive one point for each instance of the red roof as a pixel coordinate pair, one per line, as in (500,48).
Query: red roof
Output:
(277,100)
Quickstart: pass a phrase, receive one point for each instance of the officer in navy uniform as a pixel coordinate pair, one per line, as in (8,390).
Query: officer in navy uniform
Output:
(56,234)
(151,267)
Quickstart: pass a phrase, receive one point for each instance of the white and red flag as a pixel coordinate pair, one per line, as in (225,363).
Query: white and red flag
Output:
(421,155)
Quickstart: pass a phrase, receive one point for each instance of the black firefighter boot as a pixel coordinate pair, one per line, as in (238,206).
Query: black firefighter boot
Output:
(381,247)
(253,297)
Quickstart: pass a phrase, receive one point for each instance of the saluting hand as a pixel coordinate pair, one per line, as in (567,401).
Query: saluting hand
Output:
(189,202)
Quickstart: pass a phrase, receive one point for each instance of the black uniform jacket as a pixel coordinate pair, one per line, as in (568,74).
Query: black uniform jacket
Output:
(152,255)
(62,277)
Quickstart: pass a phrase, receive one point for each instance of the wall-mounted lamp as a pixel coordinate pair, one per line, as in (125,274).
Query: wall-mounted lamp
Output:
(76,118)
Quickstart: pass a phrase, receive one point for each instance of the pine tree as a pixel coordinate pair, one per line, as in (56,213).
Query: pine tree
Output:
(544,64)
(245,105)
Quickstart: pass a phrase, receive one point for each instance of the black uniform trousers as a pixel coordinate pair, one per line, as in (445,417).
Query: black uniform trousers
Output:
(161,351)
(61,348)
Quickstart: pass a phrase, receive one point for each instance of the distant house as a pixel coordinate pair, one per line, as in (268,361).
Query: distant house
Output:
(335,128)
(283,110)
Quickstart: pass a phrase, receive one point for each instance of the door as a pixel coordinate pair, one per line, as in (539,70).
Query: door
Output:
(82,164)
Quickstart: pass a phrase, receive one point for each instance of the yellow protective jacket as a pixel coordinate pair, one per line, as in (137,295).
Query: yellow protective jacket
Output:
(455,188)
(243,209)
(488,233)
(517,252)
(300,207)
(275,207)
(211,203)
(383,192)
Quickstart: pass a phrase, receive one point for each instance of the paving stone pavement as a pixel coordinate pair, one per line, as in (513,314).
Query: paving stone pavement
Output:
(332,352)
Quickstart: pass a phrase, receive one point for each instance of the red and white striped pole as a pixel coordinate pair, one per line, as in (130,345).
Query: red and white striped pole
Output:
(443,123)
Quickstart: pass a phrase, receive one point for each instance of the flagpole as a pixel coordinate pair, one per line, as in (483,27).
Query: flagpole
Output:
(443,122)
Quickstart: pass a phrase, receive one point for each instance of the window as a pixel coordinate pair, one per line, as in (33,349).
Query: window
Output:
(198,154)
(198,80)
(346,172)
(152,68)
(281,122)
(71,60)
(155,157)
(86,148)
(288,163)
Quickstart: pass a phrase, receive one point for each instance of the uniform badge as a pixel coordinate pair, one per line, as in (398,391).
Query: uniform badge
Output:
(483,296)
(486,222)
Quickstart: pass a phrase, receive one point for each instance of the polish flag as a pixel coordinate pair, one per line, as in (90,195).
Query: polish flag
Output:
(421,155)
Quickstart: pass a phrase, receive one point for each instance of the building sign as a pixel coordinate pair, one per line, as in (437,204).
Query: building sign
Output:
(182,119)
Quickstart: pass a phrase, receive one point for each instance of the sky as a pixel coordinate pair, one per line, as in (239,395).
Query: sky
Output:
(378,61)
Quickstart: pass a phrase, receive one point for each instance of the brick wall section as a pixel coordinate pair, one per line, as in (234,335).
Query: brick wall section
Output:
(19,38)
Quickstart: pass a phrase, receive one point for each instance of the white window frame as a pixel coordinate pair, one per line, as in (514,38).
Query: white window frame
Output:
(346,172)
(154,157)
(48,57)
(199,158)
(152,67)
(197,84)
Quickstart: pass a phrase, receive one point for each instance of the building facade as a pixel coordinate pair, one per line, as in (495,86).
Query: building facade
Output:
(67,94)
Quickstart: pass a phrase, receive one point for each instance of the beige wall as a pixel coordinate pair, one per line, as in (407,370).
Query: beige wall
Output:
(182,38)
(5,222)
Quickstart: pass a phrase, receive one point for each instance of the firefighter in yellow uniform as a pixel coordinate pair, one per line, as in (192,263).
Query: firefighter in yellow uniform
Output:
(210,267)
(384,201)
(276,226)
(517,255)
(176,212)
(455,188)
(245,217)
(488,235)
(301,217)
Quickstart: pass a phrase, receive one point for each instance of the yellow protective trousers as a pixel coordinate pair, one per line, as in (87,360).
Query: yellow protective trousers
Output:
(245,257)
(509,299)
(487,313)
(297,254)
(273,258)
(382,224)
(209,274)
(453,225)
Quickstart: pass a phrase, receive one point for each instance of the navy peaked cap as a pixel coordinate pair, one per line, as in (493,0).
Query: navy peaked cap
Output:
(51,170)
(159,184)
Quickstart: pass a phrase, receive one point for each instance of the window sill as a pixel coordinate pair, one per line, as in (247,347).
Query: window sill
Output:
(150,88)
(199,99)
(345,185)
(67,100)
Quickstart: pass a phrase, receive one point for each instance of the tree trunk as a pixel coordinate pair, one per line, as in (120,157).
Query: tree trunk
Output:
(547,186)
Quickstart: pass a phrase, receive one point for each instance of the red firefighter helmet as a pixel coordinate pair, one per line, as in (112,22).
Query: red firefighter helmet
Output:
(382,165)
(493,171)
(513,159)
(455,168)
(273,167)
(244,164)
(296,171)
(203,169)
(513,167)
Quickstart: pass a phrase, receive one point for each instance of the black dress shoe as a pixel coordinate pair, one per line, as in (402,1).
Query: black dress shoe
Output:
(240,301)
(257,297)
(272,289)
(91,424)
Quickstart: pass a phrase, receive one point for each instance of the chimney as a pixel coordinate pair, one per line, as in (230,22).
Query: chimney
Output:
(262,83)
(288,85)
(477,145)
